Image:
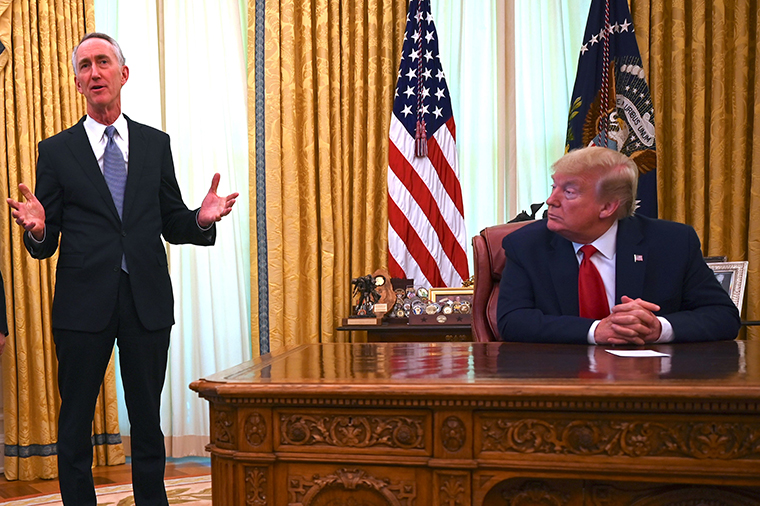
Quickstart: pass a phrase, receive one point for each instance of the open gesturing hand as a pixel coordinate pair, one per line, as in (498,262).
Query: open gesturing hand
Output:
(29,214)
(215,207)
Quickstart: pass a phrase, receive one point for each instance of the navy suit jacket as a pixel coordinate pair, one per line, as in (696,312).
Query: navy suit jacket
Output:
(79,208)
(657,260)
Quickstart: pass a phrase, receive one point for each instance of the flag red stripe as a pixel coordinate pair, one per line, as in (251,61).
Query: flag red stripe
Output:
(421,194)
(394,268)
(414,244)
(446,174)
(452,128)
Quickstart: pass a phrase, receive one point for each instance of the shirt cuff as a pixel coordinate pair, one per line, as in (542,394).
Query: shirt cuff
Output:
(590,335)
(44,234)
(666,335)
(198,223)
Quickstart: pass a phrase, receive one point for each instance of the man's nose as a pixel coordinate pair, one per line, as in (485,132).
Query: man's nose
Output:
(553,200)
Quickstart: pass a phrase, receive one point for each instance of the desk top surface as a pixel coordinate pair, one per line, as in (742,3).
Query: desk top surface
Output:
(726,369)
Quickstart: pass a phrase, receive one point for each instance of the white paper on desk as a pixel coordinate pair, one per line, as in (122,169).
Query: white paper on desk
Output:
(637,353)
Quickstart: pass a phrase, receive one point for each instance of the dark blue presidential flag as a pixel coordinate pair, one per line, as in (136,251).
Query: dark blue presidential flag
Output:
(611,105)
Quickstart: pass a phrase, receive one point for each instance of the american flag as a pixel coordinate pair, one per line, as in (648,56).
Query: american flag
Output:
(426,233)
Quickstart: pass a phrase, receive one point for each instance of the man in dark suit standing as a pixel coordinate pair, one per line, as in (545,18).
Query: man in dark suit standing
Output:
(595,273)
(107,188)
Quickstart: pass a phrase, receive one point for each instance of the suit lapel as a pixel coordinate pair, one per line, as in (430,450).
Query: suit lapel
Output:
(80,147)
(137,148)
(631,260)
(564,272)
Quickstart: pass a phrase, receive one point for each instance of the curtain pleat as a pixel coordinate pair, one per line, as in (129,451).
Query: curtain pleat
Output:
(703,60)
(39,100)
(330,76)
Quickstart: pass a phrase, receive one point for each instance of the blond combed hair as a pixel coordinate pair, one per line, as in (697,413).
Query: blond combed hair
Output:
(617,175)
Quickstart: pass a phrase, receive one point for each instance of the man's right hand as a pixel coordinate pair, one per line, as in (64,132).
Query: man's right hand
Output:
(29,214)
(631,322)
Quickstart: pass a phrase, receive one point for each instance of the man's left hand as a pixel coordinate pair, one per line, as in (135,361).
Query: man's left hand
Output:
(637,317)
(215,207)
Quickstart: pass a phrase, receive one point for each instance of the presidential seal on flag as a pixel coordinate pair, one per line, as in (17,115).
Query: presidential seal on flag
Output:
(611,103)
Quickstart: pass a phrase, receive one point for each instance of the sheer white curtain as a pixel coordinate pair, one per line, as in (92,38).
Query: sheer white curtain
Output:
(188,77)
(510,66)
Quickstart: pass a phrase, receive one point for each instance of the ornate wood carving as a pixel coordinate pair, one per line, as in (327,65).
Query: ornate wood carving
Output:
(255,429)
(353,431)
(303,491)
(525,404)
(224,428)
(256,486)
(453,434)
(534,493)
(695,439)
(452,489)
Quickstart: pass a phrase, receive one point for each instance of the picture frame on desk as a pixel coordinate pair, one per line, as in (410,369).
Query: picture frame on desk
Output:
(732,276)
(462,293)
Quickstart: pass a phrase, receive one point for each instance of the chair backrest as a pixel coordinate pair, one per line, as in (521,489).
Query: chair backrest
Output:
(489,264)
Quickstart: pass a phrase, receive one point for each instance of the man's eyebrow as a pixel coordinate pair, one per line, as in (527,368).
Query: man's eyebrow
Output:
(96,57)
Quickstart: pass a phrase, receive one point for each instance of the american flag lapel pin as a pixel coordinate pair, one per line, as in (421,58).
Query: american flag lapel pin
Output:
(638,258)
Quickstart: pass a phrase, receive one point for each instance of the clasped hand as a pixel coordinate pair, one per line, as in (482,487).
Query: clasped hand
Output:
(630,322)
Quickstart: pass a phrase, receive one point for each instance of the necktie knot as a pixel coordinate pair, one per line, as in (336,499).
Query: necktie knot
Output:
(110,132)
(588,251)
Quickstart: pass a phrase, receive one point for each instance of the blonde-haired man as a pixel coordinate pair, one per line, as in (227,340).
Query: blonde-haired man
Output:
(649,282)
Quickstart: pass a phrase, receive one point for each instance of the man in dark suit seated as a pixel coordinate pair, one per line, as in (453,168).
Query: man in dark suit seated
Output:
(644,280)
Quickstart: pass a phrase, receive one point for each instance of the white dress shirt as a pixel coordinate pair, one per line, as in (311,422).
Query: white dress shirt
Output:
(96,133)
(604,261)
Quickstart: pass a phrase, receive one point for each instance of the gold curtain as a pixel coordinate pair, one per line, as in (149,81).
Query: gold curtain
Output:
(703,63)
(330,74)
(39,100)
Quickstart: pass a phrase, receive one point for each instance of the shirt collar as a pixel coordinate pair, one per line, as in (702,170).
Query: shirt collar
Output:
(95,131)
(606,244)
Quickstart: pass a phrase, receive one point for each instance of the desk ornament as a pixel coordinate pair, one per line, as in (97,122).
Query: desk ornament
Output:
(446,306)
(374,297)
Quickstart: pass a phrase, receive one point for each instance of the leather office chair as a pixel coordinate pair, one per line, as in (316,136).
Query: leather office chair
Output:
(489,262)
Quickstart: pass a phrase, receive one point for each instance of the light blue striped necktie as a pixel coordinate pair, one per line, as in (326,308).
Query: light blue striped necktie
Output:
(115,172)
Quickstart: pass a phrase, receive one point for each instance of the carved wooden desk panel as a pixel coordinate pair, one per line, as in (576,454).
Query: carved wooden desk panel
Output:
(407,424)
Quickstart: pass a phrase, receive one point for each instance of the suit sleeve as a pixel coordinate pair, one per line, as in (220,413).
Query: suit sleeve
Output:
(522,313)
(3,313)
(179,226)
(706,311)
(50,194)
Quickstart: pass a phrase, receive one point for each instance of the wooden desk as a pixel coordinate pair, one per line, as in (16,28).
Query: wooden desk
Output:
(486,424)
(403,332)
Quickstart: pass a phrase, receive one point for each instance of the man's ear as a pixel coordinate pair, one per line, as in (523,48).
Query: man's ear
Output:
(610,208)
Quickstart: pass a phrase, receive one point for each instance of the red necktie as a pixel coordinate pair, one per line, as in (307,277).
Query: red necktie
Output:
(592,299)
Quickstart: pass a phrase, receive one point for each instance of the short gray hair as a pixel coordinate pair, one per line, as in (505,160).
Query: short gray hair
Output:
(618,175)
(98,35)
